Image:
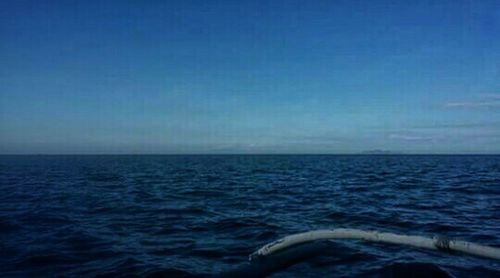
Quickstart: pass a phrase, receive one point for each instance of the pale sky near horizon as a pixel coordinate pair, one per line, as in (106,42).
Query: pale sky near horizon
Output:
(249,76)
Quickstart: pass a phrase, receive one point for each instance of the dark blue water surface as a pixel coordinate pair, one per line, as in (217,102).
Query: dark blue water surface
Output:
(196,215)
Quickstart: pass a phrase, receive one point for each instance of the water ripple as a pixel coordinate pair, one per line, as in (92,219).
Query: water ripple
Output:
(189,216)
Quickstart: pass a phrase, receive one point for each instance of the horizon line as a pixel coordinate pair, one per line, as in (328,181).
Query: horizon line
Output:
(243,154)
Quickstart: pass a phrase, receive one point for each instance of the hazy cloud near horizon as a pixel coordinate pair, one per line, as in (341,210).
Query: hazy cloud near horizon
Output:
(248,77)
(485,101)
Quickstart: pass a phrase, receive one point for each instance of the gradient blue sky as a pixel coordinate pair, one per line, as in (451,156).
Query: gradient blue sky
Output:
(249,76)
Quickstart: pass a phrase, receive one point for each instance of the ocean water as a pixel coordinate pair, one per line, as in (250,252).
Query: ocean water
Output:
(182,216)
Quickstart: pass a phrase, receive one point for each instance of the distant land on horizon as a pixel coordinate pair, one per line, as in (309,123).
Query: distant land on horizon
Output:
(381,152)
(370,152)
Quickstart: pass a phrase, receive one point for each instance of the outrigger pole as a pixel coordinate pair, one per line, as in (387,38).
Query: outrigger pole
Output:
(436,243)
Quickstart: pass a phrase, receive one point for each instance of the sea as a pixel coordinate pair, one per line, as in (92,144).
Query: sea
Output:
(202,215)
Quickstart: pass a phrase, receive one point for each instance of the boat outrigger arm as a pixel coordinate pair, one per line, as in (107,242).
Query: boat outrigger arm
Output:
(436,243)
(296,248)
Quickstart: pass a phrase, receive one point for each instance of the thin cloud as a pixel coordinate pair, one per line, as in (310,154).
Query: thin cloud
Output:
(413,138)
(491,96)
(460,125)
(486,101)
(322,138)
(450,126)
(474,104)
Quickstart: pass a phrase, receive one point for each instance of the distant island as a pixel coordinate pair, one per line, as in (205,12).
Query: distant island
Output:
(379,152)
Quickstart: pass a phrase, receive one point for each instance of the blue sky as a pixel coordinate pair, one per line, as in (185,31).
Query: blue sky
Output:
(249,76)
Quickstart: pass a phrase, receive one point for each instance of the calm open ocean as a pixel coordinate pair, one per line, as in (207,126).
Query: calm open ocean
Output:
(197,215)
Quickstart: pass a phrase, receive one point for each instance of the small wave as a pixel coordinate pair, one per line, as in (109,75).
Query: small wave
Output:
(172,272)
(409,270)
(183,216)
(104,177)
